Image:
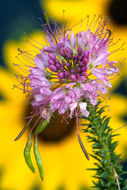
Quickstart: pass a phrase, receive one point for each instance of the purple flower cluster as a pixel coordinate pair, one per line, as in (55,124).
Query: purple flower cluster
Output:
(72,70)
(64,67)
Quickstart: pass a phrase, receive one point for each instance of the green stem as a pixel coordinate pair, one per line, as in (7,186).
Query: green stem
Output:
(108,168)
(106,157)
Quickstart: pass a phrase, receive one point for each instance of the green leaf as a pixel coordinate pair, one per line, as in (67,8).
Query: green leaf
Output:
(105,123)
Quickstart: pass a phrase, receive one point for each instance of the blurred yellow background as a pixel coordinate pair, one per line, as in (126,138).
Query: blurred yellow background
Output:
(63,161)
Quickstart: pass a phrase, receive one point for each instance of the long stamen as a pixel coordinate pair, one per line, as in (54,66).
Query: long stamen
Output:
(79,139)
(23,130)
(50,27)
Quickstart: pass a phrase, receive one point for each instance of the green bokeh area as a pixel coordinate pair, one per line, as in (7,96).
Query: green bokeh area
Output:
(17,17)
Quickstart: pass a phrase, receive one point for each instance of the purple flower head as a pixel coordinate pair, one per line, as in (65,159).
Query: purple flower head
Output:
(71,71)
(81,59)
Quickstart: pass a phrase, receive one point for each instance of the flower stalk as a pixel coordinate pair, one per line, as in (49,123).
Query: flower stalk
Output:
(108,163)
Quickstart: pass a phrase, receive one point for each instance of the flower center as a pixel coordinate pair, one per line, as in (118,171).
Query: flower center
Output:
(67,65)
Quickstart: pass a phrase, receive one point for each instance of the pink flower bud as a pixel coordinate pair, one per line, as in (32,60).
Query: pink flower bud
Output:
(62,53)
(86,53)
(72,71)
(85,61)
(84,74)
(76,60)
(67,65)
(58,66)
(80,63)
(77,75)
(69,56)
(80,58)
(66,74)
(51,56)
(60,75)
(79,69)
(52,68)
(76,56)
(73,77)
(57,60)
(84,68)
(51,62)
(68,50)
(79,50)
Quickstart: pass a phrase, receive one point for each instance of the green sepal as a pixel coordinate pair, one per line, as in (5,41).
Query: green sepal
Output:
(41,127)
